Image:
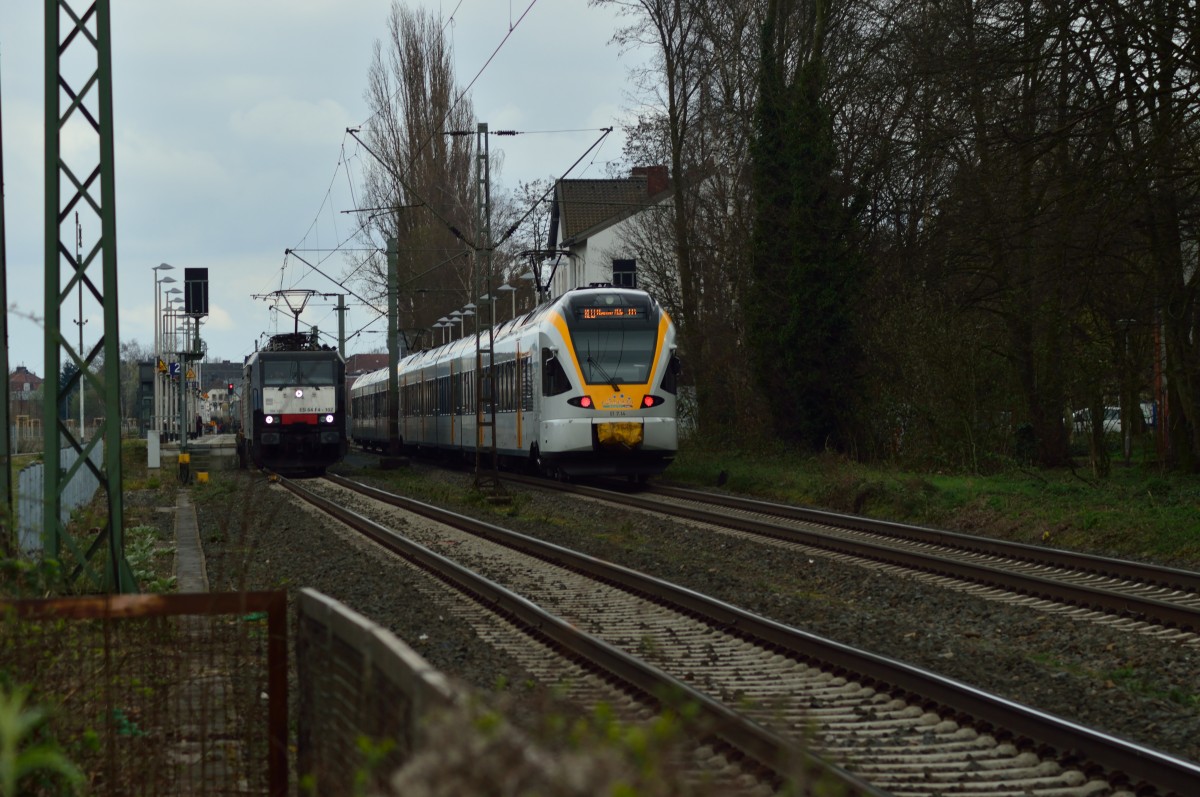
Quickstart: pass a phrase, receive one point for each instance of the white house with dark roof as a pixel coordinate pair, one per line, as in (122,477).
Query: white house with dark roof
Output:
(589,223)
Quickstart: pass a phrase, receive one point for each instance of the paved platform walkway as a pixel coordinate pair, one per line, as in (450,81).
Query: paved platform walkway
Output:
(208,750)
(190,572)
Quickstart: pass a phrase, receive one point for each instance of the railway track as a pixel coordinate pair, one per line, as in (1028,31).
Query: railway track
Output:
(902,729)
(1161,601)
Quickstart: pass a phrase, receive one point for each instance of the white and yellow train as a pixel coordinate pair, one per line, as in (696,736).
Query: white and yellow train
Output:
(583,385)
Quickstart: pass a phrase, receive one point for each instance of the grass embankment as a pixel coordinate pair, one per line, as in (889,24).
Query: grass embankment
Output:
(1137,513)
(148,538)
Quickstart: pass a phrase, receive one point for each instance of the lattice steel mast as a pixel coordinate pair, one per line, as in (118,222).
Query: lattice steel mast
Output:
(88,110)
(487,475)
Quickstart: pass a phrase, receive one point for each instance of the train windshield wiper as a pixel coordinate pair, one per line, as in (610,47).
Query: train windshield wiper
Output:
(607,376)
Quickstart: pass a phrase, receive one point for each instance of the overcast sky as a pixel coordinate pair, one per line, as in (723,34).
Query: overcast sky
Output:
(230,119)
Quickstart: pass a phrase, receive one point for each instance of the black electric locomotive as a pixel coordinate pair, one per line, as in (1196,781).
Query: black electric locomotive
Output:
(293,409)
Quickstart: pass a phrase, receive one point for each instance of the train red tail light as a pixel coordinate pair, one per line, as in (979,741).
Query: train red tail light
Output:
(651,401)
(582,401)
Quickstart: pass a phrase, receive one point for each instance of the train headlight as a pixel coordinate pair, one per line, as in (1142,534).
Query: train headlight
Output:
(651,401)
(299,393)
(582,401)
(329,418)
(269,419)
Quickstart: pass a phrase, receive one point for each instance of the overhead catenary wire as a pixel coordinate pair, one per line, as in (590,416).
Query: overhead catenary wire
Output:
(365,224)
(331,279)
(454,104)
(457,99)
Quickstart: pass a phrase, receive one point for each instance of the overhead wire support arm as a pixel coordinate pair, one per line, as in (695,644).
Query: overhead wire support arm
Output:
(396,175)
(381,210)
(604,131)
(315,268)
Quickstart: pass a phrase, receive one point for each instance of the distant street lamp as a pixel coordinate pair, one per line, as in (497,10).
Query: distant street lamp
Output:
(156,418)
(529,276)
(510,289)
(170,345)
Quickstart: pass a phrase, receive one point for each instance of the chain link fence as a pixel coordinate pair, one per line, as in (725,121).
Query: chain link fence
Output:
(158,694)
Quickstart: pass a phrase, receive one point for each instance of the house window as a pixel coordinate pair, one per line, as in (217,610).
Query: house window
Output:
(624,274)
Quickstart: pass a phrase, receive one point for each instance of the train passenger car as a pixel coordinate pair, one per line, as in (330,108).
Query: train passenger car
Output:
(583,385)
(293,414)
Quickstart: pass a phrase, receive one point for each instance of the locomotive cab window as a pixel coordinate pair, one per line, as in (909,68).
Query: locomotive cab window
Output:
(284,373)
(316,372)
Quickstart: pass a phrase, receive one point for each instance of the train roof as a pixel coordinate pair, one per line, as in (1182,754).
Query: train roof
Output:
(512,326)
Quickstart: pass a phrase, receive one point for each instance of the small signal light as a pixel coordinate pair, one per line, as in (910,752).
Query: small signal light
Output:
(231,387)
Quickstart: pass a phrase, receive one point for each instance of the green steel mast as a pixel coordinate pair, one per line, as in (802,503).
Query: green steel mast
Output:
(78,101)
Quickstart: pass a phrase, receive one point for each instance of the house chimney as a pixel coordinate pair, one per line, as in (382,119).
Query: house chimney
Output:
(656,178)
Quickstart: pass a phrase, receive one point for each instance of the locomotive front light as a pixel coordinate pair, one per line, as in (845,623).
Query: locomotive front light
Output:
(269,419)
(582,401)
(299,393)
(329,418)
(651,401)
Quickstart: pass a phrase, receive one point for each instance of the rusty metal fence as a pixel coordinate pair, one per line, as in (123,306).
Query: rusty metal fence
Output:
(159,694)
(187,694)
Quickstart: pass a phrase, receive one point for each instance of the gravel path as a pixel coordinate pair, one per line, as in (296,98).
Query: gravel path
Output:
(1124,683)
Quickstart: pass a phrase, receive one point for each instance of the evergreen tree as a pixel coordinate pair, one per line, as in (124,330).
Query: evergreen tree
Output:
(806,271)
(68,404)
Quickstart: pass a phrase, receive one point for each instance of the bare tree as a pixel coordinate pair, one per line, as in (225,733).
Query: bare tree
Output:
(422,192)
(698,93)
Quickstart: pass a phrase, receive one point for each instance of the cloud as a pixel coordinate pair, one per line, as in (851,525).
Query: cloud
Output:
(291,122)
(149,160)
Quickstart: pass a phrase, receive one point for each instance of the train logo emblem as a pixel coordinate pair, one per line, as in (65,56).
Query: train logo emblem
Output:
(617,401)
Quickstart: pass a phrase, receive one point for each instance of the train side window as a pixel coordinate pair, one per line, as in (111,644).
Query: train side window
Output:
(670,380)
(527,384)
(554,378)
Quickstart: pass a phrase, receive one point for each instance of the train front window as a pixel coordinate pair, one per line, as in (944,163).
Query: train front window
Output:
(284,373)
(315,372)
(615,357)
(278,373)
(615,338)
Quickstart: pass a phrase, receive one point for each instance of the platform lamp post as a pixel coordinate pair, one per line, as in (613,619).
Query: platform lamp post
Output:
(443,324)
(506,288)
(170,333)
(455,318)
(159,308)
(155,419)
(491,300)
(529,276)
(469,309)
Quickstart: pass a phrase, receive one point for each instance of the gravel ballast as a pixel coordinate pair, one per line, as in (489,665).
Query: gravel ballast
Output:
(1125,683)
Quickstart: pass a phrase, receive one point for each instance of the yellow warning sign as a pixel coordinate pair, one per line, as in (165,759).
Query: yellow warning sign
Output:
(191,374)
(162,367)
